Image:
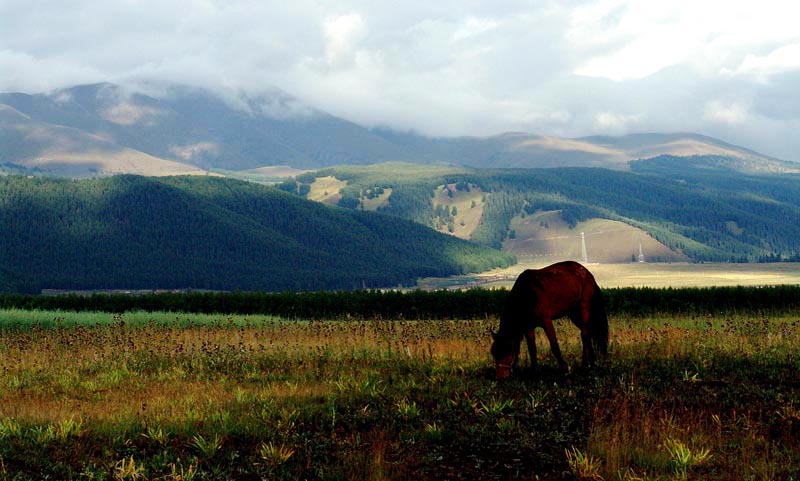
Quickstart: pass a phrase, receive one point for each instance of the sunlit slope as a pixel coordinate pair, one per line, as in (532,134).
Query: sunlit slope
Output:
(545,237)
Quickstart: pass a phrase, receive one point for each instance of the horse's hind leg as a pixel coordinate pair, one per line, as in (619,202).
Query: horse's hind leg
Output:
(582,321)
(588,356)
(550,330)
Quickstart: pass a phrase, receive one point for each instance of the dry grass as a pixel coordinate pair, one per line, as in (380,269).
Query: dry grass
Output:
(700,398)
(107,373)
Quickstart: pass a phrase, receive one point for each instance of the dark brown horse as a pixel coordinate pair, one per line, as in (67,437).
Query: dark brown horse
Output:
(538,297)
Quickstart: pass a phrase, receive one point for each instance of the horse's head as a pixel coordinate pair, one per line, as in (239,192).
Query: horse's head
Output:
(505,356)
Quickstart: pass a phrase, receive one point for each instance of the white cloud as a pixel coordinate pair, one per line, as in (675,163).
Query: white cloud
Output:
(783,59)
(472,28)
(614,123)
(444,68)
(629,39)
(25,72)
(342,36)
(733,113)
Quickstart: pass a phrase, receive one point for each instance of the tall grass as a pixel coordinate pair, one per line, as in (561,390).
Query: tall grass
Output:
(175,396)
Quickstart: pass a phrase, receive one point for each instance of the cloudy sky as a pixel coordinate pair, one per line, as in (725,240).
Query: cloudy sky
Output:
(725,68)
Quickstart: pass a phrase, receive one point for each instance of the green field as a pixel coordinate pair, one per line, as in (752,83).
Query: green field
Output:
(183,396)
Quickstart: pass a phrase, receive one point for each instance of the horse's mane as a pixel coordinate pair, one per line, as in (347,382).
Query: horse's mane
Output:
(518,299)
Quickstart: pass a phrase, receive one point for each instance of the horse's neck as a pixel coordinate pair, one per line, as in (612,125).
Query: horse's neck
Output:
(512,322)
(511,327)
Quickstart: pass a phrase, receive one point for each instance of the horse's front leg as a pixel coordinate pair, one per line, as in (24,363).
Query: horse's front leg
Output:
(530,338)
(550,331)
(515,364)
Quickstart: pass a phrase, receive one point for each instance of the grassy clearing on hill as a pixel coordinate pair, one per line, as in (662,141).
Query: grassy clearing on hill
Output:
(326,190)
(545,236)
(468,207)
(171,396)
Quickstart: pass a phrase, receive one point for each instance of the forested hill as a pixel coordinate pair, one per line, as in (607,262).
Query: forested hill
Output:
(131,232)
(703,207)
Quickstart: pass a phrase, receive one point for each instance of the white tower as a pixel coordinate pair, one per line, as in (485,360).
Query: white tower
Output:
(584,257)
(641,254)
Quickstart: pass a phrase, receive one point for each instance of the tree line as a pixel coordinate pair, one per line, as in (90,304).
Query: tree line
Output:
(417,304)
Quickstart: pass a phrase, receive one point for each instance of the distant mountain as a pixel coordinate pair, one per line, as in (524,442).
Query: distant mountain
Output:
(182,124)
(132,232)
(521,150)
(56,149)
(687,145)
(103,129)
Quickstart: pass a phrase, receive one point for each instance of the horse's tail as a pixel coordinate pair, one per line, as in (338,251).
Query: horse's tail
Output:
(598,322)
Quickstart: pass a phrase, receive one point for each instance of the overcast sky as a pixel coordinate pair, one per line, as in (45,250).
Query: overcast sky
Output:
(725,68)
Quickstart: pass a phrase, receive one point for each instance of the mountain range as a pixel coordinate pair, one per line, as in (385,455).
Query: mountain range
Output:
(104,129)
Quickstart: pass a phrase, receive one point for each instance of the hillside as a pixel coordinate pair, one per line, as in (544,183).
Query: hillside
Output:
(701,208)
(103,129)
(131,232)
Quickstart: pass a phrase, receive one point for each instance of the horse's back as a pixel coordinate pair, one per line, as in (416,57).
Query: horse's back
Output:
(558,288)
(569,272)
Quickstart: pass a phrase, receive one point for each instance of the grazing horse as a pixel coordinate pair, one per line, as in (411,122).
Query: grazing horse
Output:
(538,297)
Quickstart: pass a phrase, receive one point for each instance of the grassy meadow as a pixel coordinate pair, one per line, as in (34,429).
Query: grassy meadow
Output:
(186,396)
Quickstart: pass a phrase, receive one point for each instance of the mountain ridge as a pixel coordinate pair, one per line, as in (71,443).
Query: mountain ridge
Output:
(205,131)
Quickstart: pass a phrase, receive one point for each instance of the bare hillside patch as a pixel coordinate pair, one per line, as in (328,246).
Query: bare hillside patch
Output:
(326,190)
(546,236)
(458,209)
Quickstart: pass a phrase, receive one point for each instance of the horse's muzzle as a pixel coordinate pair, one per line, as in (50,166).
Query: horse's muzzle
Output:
(502,372)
